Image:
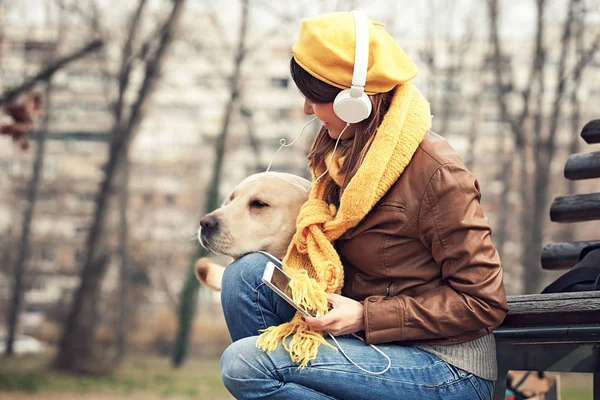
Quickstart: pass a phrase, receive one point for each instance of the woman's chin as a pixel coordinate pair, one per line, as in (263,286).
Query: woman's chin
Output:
(333,135)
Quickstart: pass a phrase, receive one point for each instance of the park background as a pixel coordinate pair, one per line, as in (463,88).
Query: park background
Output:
(153,110)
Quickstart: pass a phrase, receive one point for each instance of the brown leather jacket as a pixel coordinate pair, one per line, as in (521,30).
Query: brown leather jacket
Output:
(422,260)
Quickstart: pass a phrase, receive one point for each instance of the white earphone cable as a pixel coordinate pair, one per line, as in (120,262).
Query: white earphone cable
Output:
(358,366)
(332,154)
(283,142)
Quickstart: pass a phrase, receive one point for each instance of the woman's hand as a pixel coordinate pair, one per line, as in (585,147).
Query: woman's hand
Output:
(345,317)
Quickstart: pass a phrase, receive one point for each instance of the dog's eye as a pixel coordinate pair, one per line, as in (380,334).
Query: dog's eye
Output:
(258,204)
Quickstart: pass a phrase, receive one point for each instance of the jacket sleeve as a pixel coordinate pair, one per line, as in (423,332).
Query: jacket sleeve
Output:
(453,227)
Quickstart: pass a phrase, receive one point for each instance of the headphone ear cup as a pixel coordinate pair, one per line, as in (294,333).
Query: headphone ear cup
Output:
(352,109)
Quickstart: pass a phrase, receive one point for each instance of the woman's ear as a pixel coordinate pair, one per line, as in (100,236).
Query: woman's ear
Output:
(308,108)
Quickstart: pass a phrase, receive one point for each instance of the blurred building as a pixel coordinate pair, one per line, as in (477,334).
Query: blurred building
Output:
(172,155)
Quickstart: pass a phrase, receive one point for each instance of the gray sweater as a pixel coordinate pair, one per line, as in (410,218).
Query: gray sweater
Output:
(477,356)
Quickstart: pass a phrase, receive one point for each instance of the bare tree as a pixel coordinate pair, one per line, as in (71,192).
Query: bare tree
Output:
(247,115)
(567,234)
(534,127)
(24,242)
(187,304)
(504,175)
(443,41)
(123,82)
(457,50)
(429,53)
(76,351)
(32,189)
(123,260)
(474,123)
(47,73)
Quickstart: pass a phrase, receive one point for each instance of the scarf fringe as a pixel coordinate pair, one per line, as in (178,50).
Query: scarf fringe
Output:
(304,345)
(307,292)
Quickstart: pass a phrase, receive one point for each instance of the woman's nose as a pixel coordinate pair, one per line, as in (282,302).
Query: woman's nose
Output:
(308,110)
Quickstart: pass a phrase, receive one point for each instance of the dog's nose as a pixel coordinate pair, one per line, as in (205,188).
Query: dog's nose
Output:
(209,223)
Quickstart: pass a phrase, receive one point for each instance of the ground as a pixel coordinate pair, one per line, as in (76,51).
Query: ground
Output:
(140,377)
(145,377)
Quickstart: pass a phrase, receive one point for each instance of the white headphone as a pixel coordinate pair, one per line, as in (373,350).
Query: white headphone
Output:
(353,105)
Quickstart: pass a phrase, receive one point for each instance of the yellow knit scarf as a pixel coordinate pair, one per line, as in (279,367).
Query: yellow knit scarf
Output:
(311,259)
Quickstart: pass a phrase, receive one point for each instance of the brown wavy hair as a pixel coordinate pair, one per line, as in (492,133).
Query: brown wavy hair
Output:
(320,92)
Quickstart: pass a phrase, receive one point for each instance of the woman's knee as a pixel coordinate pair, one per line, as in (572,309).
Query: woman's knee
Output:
(244,364)
(236,359)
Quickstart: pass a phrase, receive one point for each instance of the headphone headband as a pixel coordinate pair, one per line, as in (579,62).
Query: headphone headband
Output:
(361,53)
(353,105)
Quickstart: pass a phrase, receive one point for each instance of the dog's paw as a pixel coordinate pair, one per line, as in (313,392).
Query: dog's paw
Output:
(209,273)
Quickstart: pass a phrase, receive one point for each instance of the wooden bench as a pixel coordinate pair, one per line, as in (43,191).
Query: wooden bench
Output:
(558,332)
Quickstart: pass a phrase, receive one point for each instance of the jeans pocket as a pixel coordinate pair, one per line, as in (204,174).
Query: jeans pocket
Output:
(456,372)
(482,387)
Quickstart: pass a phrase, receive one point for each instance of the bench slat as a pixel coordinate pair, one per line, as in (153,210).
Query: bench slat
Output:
(583,166)
(548,309)
(591,132)
(575,208)
(550,297)
(582,333)
(556,256)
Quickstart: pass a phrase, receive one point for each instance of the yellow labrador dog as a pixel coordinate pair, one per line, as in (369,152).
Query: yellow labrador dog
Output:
(259,215)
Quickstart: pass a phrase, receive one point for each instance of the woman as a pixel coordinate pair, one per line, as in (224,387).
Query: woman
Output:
(392,245)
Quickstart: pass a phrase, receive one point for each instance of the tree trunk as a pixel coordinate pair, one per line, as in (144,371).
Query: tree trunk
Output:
(124,263)
(474,120)
(505,175)
(544,150)
(23,249)
(568,232)
(76,346)
(531,252)
(252,138)
(431,60)
(124,79)
(189,293)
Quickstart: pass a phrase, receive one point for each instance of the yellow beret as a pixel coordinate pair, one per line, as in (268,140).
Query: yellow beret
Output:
(325,49)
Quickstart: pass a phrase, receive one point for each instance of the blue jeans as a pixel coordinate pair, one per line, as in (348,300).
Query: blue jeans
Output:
(249,373)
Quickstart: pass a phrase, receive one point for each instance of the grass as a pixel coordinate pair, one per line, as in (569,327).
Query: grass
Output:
(576,394)
(198,378)
(576,386)
(153,378)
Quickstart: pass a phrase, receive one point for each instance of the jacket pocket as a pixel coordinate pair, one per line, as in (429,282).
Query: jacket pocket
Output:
(393,205)
(388,218)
